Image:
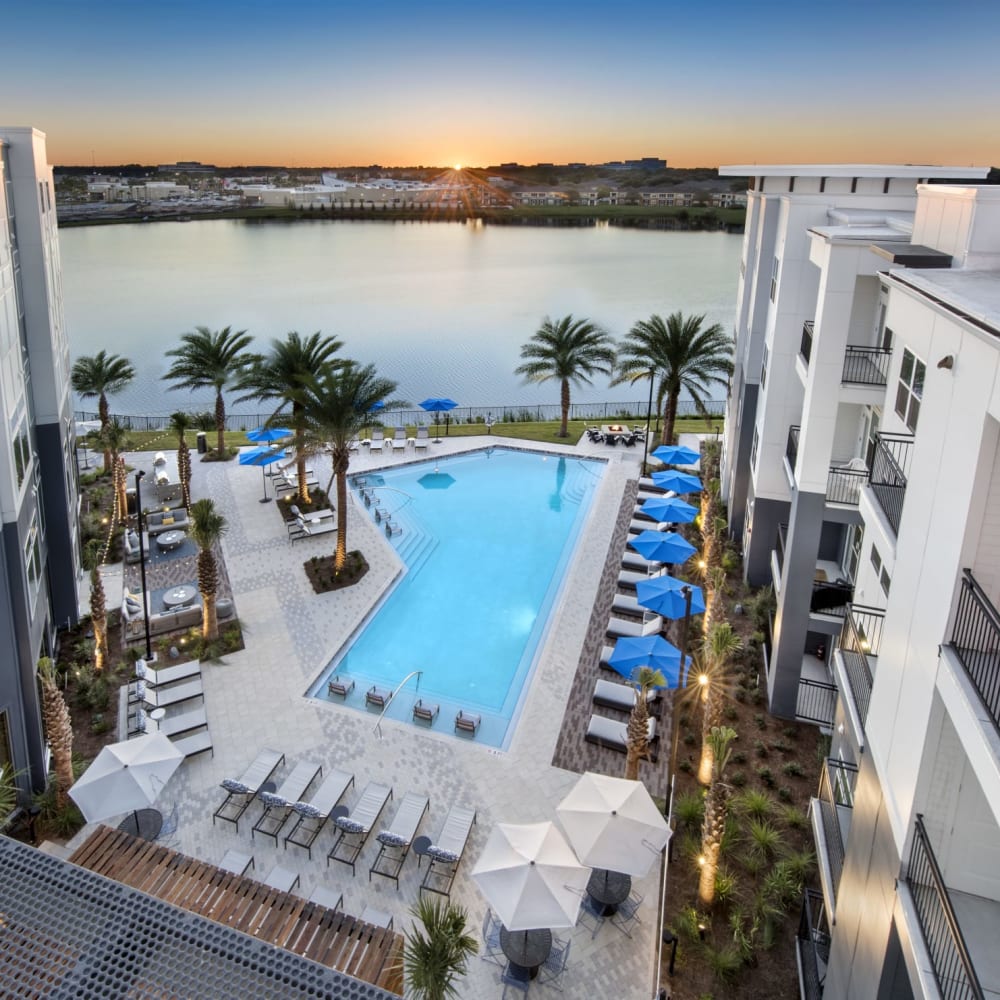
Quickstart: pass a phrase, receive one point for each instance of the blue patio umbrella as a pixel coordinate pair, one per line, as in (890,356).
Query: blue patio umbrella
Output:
(676,454)
(437,405)
(662,546)
(665,596)
(262,457)
(670,509)
(679,482)
(377,406)
(267,434)
(653,651)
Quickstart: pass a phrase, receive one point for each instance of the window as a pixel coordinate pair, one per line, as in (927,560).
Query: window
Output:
(753,448)
(856,537)
(33,557)
(775,267)
(883,574)
(910,390)
(22,451)
(876,559)
(763,370)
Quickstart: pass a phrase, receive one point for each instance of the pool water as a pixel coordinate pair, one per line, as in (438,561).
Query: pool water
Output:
(486,539)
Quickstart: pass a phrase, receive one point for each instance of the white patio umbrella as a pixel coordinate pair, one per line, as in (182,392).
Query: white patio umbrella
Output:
(613,823)
(126,777)
(530,876)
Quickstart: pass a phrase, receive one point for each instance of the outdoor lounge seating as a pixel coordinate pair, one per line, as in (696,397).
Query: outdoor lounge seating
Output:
(425,711)
(608,694)
(516,976)
(376,917)
(627,604)
(241,791)
(619,627)
(467,722)
(237,862)
(634,561)
(446,852)
(170,674)
(166,520)
(378,438)
(639,524)
(324,897)
(399,439)
(423,438)
(394,840)
(608,733)
(339,686)
(356,826)
(301,528)
(313,815)
(164,696)
(628,578)
(378,697)
(278,804)
(281,878)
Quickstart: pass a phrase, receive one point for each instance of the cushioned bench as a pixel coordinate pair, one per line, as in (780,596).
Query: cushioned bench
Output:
(614,735)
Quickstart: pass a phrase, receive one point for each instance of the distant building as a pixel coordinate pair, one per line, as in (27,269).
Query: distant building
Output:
(540,196)
(657,197)
(647,163)
(186,167)
(729,199)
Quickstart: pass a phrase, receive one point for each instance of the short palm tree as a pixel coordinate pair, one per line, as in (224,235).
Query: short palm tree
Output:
(685,357)
(436,949)
(721,644)
(335,406)
(58,730)
(210,359)
(180,424)
(713,826)
(569,350)
(637,731)
(99,619)
(277,378)
(207,527)
(95,377)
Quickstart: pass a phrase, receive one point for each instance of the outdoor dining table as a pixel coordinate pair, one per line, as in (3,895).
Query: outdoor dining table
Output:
(144,823)
(179,596)
(529,949)
(609,888)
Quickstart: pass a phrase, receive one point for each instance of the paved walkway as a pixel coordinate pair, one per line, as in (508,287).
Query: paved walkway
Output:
(256,699)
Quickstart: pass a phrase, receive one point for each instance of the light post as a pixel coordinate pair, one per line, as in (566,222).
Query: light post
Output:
(649,414)
(142,562)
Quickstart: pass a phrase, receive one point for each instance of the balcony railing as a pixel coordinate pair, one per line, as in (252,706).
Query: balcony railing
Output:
(953,970)
(890,459)
(975,639)
(816,702)
(831,598)
(813,942)
(805,348)
(866,365)
(859,643)
(843,485)
(779,545)
(836,797)
(792,447)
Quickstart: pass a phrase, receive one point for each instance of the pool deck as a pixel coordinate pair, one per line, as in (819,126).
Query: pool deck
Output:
(256,699)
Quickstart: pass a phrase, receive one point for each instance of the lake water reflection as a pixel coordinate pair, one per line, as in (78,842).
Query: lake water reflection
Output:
(442,308)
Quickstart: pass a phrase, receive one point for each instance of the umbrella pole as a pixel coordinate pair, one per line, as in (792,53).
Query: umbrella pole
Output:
(263,478)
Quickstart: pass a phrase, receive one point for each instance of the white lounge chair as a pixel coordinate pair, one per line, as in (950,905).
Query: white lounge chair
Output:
(237,862)
(628,578)
(639,524)
(608,694)
(608,733)
(378,438)
(619,627)
(281,878)
(356,826)
(395,839)
(278,804)
(628,604)
(399,439)
(446,852)
(242,790)
(634,561)
(423,438)
(314,814)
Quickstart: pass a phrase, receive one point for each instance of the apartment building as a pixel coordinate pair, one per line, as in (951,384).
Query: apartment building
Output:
(865,484)
(39,532)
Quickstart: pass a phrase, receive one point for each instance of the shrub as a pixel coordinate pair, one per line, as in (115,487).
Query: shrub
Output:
(781,746)
(738,779)
(725,885)
(760,748)
(738,757)
(765,840)
(757,805)
(690,809)
(99,724)
(686,766)
(793,769)
(795,819)
(724,962)
(687,924)
(790,733)
(785,793)
(759,721)
(689,739)
(731,713)
(766,776)
(800,864)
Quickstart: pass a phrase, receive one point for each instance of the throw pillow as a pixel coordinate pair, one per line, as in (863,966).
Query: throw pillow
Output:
(273,801)
(236,787)
(442,855)
(391,839)
(133,540)
(307,809)
(140,669)
(167,520)
(132,605)
(349,825)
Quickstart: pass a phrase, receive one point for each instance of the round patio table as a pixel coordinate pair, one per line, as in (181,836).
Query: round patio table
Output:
(609,888)
(529,949)
(179,596)
(145,823)
(168,540)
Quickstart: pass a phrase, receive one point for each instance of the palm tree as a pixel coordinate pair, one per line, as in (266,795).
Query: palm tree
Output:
(278,377)
(99,619)
(180,424)
(95,377)
(436,950)
(58,730)
(114,440)
(207,527)
(683,355)
(210,359)
(637,732)
(721,644)
(335,406)
(713,826)
(570,350)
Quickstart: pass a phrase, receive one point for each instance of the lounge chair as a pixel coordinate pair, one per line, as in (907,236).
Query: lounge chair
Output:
(313,815)
(340,687)
(467,722)
(628,578)
(399,439)
(281,878)
(301,528)
(608,733)
(423,438)
(278,804)
(354,445)
(634,561)
(608,694)
(162,696)
(446,852)
(356,826)
(627,604)
(377,696)
(426,711)
(377,918)
(394,840)
(167,675)
(646,484)
(324,897)
(378,438)
(172,726)
(619,627)
(312,516)
(639,524)
(242,790)
(237,862)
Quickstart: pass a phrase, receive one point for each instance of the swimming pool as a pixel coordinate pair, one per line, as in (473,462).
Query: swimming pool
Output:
(486,538)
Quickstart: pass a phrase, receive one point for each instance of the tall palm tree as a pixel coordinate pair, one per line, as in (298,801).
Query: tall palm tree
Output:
(207,527)
(336,405)
(180,424)
(684,356)
(570,350)
(114,440)
(95,377)
(58,729)
(436,949)
(210,359)
(721,645)
(98,619)
(278,376)
(713,826)
(637,731)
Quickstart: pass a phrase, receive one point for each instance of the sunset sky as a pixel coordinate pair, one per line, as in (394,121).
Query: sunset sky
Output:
(435,83)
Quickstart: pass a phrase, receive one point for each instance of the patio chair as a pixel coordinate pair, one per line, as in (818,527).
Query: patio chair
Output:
(628,578)
(378,697)
(354,445)
(607,694)
(613,735)
(640,524)
(627,604)
(278,804)
(236,862)
(378,438)
(492,951)
(313,815)
(341,688)
(633,561)
(241,791)
(591,915)
(627,914)
(394,840)
(399,439)
(425,711)
(324,897)
(446,852)
(423,438)
(467,722)
(619,627)
(281,878)
(555,965)
(356,826)
(516,977)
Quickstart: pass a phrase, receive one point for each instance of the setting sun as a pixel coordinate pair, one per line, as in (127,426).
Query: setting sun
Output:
(458,166)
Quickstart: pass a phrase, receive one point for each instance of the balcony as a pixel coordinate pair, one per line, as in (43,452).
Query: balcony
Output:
(833,808)
(890,458)
(813,946)
(816,702)
(859,644)
(975,640)
(844,482)
(792,447)
(830,598)
(806,346)
(866,366)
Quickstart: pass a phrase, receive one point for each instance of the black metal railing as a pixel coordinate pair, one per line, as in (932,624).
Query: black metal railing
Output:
(792,447)
(836,793)
(860,638)
(953,970)
(831,598)
(813,939)
(844,485)
(779,545)
(889,462)
(806,346)
(866,365)
(975,639)
(816,702)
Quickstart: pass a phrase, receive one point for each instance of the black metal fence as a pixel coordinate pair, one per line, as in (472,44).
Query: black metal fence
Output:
(836,792)
(859,639)
(975,638)
(890,460)
(866,365)
(844,485)
(830,598)
(806,344)
(956,977)
(816,701)
(813,939)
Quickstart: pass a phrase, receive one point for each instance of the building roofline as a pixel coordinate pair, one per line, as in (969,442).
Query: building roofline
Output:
(914,170)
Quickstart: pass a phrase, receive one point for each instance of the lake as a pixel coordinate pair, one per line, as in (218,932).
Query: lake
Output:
(442,308)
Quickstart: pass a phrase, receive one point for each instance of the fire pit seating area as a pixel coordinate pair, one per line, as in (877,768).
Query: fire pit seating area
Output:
(166,520)
(162,620)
